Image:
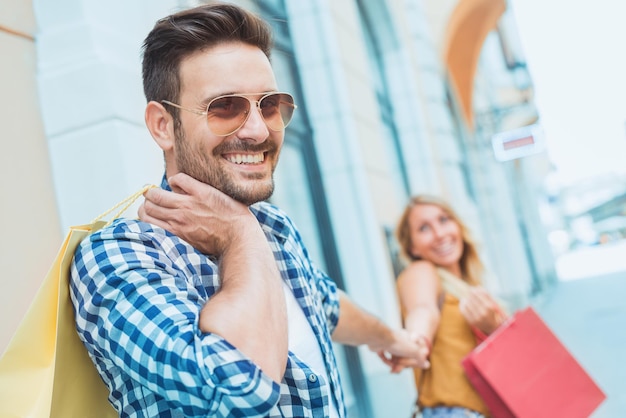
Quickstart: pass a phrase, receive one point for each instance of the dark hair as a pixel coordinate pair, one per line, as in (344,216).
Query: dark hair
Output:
(182,34)
(471,265)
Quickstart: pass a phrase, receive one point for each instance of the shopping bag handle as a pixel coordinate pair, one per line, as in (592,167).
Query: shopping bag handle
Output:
(124,204)
(459,288)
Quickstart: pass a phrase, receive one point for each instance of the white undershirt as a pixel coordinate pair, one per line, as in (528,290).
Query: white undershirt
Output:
(302,342)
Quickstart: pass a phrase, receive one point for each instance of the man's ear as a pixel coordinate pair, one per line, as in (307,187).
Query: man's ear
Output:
(160,124)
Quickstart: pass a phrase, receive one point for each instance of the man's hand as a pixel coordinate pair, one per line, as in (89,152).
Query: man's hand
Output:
(249,311)
(198,213)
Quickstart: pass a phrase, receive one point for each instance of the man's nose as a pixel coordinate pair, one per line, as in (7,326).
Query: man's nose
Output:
(255,127)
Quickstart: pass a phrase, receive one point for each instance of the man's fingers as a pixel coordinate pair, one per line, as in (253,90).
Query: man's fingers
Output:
(162,198)
(184,184)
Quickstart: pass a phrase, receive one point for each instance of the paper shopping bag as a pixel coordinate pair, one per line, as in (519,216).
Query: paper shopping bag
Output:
(523,370)
(45,370)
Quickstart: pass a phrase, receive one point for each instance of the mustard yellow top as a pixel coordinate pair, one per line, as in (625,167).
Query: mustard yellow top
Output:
(445,384)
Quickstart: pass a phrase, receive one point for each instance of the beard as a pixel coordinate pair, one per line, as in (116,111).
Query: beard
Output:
(193,161)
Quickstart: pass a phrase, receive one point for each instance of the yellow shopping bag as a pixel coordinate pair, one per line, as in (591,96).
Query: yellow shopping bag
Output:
(45,370)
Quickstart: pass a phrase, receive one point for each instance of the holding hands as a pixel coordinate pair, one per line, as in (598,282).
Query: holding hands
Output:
(406,350)
(215,223)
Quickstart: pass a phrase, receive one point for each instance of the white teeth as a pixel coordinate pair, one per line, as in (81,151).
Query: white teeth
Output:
(445,248)
(245,158)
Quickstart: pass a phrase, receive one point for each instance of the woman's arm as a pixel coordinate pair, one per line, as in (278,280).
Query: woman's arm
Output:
(419,290)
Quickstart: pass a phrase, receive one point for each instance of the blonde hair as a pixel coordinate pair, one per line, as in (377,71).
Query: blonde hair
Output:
(471,266)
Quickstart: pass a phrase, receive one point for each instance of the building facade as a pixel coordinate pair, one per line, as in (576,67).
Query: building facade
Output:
(395,98)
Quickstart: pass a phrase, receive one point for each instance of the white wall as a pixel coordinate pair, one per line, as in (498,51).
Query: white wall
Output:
(92,101)
(29,218)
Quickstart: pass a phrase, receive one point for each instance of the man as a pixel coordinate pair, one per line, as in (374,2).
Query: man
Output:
(209,305)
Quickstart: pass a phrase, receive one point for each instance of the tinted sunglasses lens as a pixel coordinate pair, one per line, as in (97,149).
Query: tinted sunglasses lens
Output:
(277,110)
(227,114)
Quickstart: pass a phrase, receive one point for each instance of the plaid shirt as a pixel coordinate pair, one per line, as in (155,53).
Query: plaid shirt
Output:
(138,290)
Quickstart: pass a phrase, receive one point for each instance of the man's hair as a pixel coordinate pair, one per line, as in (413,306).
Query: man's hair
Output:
(182,34)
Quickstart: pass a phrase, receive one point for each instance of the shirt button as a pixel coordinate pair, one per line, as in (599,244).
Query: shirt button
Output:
(312,378)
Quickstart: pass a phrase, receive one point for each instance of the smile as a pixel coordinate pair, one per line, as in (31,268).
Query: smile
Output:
(245,158)
(445,248)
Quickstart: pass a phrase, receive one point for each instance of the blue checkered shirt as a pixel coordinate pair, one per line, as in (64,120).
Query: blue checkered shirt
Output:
(138,290)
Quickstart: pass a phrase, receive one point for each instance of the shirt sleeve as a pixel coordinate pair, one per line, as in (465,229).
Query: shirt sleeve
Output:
(322,284)
(327,289)
(138,292)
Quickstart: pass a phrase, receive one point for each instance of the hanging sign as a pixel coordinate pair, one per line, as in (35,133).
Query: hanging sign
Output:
(517,143)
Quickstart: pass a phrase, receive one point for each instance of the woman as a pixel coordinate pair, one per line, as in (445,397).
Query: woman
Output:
(440,252)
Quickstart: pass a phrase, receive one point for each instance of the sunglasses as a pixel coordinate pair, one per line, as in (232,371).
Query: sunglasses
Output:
(226,114)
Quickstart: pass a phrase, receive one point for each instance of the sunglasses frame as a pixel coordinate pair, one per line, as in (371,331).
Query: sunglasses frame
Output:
(247,113)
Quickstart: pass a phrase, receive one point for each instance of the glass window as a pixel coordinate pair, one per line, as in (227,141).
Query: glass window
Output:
(299,192)
(379,37)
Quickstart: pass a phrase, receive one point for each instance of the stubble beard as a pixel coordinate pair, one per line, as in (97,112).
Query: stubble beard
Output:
(195,163)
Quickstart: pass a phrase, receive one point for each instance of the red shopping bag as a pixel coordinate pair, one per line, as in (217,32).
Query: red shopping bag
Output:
(522,370)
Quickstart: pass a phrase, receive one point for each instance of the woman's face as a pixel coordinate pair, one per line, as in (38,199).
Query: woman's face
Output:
(435,236)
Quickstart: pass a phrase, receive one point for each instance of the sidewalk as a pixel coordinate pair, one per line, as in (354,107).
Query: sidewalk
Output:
(589,316)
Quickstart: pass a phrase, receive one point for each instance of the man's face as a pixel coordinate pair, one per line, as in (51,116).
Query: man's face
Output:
(241,164)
